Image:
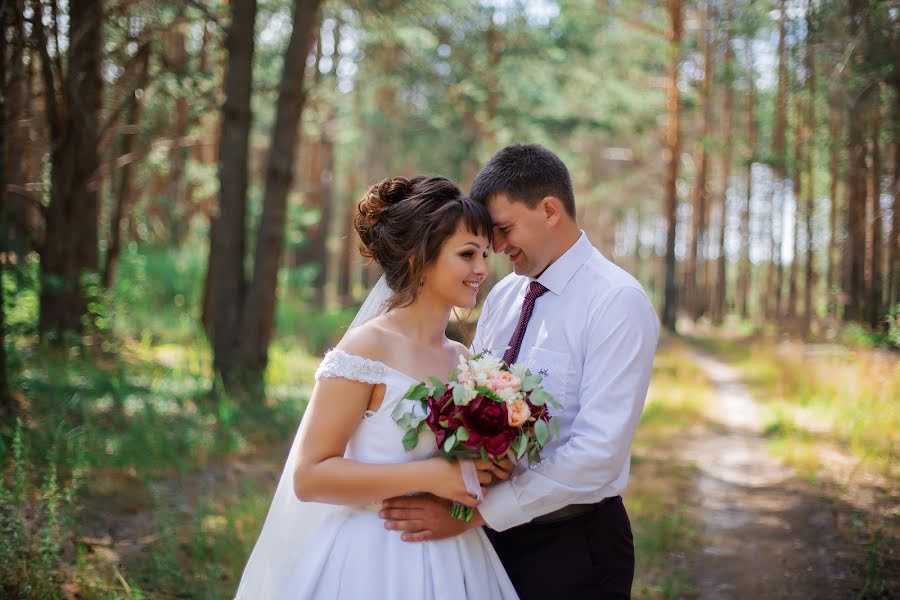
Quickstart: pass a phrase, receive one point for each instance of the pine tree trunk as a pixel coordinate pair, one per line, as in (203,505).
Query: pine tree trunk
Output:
(779,149)
(7,406)
(876,285)
(720,303)
(694,284)
(894,242)
(744,275)
(126,193)
(855,251)
(810,279)
(259,311)
(71,247)
(798,194)
(670,301)
(832,281)
(229,244)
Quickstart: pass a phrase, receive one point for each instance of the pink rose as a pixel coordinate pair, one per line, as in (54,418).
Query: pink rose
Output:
(518,412)
(505,379)
(466,378)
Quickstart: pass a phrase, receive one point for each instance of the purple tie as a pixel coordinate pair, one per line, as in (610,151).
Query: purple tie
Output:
(535,291)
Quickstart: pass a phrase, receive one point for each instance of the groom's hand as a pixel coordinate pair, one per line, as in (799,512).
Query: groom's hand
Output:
(424,517)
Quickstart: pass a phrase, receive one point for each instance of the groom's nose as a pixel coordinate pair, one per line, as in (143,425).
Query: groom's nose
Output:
(499,241)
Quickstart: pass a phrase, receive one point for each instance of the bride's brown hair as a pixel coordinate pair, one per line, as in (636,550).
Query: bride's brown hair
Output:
(403,223)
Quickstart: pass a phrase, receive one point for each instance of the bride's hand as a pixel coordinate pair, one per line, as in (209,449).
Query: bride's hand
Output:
(447,481)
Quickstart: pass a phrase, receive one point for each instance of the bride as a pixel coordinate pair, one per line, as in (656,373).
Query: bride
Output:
(322,537)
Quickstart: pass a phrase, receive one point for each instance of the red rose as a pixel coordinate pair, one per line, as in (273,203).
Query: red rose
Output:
(443,409)
(488,426)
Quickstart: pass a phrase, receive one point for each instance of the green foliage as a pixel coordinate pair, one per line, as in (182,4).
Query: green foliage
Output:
(37,516)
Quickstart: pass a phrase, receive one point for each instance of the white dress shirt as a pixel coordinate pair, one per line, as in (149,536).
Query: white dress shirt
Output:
(593,334)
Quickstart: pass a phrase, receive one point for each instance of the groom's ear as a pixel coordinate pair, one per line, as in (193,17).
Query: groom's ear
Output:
(553,210)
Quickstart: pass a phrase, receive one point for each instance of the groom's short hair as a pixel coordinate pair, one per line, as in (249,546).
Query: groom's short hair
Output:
(525,173)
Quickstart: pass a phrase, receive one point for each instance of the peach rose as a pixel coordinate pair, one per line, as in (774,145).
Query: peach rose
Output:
(504,380)
(518,412)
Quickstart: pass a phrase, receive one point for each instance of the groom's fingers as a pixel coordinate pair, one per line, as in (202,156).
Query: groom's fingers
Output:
(400,514)
(419,536)
(416,502)
(411,526)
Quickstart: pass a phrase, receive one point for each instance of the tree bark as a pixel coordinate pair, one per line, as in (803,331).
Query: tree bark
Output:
(7,406)
(178,155)
(259,312)
(810,279)
(855,251)
(832,280)
(719,304)
(894,243)
(779,149)
(744,275)
(798,194)
(71,247)
(229,245)
(876,279)
(670,301)
(694,286)
(126,192)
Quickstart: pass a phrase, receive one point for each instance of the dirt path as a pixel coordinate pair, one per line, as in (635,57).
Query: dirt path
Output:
(764,533)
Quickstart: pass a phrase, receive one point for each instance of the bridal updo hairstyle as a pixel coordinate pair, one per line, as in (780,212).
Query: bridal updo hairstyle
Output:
(403,224)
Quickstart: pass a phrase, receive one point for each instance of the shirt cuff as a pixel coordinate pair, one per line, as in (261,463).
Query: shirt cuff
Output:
(500,509)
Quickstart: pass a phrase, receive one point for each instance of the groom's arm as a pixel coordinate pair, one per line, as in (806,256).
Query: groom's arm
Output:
(621,341)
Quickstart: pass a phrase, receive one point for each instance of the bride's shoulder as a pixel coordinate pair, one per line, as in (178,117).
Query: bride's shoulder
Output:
(458,349)
(366,341)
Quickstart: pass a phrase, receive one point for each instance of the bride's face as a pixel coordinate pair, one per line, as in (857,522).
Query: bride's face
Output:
(459,270)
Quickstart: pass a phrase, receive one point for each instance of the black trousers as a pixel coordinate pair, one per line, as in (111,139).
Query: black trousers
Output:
(588,556)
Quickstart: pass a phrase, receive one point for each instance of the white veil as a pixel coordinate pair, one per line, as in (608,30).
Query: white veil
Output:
(290,522)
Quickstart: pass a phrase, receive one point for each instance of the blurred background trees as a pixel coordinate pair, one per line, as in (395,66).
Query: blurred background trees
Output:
(739,157)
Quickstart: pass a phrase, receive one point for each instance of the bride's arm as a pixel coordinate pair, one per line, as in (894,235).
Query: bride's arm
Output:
(322,474)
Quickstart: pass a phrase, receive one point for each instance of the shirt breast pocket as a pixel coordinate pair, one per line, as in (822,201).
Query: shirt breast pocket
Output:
(555,368)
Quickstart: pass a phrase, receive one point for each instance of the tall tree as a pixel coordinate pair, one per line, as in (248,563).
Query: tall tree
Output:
(241,352)
(833,284)
(228,246)
(779,151)
(7,406)
(799,143)
(719,303)
(808,308)
(71,246)
(694,284)
(744,270)
(124,201)
(673,149)
(876,283)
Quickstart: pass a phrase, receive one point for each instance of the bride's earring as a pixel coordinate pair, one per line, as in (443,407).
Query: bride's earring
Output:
(422,282)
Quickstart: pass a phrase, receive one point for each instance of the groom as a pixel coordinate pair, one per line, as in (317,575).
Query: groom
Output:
(559,527)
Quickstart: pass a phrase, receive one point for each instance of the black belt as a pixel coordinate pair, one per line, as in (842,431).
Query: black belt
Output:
(571,511)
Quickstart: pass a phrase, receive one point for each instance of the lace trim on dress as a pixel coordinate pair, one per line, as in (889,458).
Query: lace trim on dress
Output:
(338,363)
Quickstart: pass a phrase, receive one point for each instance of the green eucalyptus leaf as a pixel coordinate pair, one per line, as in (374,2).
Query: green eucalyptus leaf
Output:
(449,443)
(539,397)
(520,445)
(417,392)
(530,382)
(411,439)
(541,432)
(438,387)
(462,434)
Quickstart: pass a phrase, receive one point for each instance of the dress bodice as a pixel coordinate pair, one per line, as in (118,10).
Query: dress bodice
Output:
(378,439)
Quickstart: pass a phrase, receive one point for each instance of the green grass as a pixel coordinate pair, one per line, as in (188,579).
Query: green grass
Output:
(659,491)
(822,395)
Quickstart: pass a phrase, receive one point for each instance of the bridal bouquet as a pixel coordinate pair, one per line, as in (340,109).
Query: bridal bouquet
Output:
(488,409)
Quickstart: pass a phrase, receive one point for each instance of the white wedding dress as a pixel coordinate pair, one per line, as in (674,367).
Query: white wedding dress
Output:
(343,552)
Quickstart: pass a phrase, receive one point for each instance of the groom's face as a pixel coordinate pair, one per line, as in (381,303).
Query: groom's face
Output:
(521,232)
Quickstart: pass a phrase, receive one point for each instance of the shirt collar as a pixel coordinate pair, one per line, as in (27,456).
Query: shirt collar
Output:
(557,275)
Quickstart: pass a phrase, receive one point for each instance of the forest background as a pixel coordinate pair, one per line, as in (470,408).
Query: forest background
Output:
(178,183)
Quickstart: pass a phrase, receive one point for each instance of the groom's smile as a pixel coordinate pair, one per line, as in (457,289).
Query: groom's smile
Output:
(521,233)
